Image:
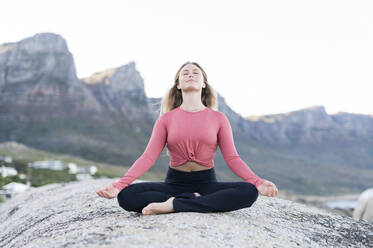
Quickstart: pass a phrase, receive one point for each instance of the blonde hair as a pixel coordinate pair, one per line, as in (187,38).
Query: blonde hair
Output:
(173,97)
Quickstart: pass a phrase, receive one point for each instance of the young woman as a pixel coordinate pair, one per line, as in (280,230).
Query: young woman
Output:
(192,128)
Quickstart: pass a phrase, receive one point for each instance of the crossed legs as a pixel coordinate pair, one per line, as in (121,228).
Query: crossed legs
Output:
(137,196)
(160,197)
(219,197)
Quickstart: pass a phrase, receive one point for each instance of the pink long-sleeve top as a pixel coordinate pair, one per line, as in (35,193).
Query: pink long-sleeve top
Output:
(190,136)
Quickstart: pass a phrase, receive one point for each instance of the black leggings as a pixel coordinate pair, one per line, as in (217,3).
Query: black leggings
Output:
(215,196)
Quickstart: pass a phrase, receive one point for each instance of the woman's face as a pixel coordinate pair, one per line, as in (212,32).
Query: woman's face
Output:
(191,78)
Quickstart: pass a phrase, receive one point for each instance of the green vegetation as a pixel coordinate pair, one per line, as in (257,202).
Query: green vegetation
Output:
(6,180)
(40,177)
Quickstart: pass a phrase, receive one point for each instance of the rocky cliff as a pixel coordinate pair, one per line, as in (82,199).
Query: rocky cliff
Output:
(38,74)
(72,215)
(120,90)
(311,126)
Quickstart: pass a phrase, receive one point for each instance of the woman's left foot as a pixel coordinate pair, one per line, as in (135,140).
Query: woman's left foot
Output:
(159,207)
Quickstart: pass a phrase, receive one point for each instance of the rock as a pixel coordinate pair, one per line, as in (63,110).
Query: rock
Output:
(364,208)
(39,71)
(72,215)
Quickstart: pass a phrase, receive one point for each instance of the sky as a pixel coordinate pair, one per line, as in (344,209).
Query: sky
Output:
(263,57)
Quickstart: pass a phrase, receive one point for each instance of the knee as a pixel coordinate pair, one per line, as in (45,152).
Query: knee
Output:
(125,198)
(250,191)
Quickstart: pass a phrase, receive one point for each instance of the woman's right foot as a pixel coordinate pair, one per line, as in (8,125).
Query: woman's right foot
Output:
(197,194)
(159,207)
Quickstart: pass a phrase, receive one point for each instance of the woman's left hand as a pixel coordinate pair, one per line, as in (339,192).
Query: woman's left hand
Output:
(267,188)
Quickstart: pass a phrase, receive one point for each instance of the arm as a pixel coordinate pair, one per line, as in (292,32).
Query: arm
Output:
(147,159)
(231,157)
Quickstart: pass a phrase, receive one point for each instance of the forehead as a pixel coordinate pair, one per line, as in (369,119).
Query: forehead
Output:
(190,67)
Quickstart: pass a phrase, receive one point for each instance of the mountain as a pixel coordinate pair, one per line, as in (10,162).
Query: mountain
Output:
(120,90)
(107,117)
(39,71)
(44,105)
(311,126)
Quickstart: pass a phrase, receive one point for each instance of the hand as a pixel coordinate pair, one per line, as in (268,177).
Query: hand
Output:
(109,192)
(267,188)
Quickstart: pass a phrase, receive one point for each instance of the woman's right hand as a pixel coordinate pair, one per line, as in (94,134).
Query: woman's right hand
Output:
(109,192)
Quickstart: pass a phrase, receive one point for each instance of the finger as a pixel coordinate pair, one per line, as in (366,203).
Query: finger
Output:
(104,194)
(107,194)
(270,192)
(99,193)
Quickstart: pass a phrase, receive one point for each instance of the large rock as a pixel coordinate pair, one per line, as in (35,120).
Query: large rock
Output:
(120,90)
(72,215)
(364,208)
(38,74)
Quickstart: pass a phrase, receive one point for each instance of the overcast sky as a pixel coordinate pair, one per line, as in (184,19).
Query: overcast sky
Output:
(264,57)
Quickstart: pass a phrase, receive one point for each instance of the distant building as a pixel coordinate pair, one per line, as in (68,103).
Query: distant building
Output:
(58,165)
(8,171)
(92,170)
(48,164)
(13,188)
(73,168)
(22,176)
(7,159)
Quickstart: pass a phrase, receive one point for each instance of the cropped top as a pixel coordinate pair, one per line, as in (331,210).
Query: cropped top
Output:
(190,136)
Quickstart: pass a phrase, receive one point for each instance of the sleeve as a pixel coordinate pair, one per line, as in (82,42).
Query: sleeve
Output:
(230,155)
(147,159)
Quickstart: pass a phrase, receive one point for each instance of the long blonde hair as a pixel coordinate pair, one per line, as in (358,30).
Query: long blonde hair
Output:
(173,97)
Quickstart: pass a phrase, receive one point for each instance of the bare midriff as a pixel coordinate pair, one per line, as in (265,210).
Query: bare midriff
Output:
(190,166)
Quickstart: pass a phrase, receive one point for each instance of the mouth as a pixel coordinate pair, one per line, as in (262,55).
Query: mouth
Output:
(190,80)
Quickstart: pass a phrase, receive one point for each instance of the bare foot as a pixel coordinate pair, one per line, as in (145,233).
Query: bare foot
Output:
(159,207)
(197,194)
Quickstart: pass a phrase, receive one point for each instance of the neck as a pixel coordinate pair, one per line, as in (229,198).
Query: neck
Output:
(192,101)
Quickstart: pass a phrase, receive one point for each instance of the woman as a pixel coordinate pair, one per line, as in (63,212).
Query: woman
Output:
(192,130)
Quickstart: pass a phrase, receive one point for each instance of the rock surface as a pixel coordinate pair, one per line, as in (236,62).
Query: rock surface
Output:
(72,215)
